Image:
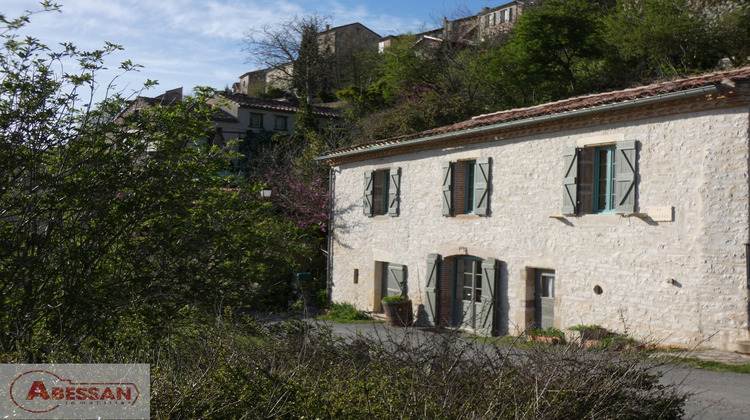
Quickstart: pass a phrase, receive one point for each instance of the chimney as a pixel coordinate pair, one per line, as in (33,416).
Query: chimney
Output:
(328,27)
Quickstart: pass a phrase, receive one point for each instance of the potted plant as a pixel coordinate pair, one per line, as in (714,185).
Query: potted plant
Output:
(397,311)
(550,335)
(590,334)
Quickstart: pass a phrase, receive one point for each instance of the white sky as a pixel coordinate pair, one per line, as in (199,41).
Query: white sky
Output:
(187,43)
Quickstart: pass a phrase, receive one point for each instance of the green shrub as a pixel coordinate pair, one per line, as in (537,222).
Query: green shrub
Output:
(344,312)
(549,332)
(394,299)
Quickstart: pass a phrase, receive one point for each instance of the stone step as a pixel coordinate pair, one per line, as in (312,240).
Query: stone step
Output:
(743,347)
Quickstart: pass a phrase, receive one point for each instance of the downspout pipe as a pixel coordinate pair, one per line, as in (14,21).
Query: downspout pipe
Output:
(689,93)
(329,253)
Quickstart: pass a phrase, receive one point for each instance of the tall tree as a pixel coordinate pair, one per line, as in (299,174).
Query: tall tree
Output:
(658,38)
(556,46)
(293,52)
(94,231)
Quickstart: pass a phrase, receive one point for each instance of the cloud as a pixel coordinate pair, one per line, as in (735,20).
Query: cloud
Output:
(189,42)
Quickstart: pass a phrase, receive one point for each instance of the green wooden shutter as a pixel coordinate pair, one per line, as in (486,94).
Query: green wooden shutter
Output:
(625,176)
(486,316)
(394,191)
(570,182)
(397,275)
(369,191)
(432,288)
(482,186)
(447,194)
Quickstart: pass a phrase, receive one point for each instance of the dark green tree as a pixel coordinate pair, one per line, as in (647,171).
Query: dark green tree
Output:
(104,222)
(659,38)
(556,51)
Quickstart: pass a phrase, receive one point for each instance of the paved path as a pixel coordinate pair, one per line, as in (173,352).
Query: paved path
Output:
(714,395)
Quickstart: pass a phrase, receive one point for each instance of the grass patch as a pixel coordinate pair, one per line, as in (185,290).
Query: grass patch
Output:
(345,313)
(711,365)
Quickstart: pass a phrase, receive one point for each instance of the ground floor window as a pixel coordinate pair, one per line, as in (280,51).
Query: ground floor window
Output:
(544,298)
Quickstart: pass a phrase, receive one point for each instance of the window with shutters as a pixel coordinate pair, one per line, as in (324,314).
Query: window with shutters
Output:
(466,187)
(600,179)
(382,192)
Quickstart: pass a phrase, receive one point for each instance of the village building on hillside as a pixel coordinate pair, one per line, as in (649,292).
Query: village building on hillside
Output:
(343,43)
(239,117)
(626,209)
(255,115)
(249,117)
(469,30)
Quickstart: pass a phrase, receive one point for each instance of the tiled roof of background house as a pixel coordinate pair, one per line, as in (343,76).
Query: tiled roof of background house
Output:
(219,114)
(566,105)
(272,105)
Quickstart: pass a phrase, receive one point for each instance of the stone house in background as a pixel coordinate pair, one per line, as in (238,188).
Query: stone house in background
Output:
(500,19)
(239,117)
(626,209)
(342,42)
(470,30)
(255,115)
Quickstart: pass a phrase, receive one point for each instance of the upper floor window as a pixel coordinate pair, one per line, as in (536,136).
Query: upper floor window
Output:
(466,187)
(256,120)
(600,179)
(280,123)
(604,179)
(382,192)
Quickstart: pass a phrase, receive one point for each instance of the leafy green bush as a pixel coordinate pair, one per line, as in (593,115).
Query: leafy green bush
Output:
(549,332)
(344,312)
(394,299)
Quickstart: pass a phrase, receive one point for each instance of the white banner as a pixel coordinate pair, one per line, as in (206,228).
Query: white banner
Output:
(75,391)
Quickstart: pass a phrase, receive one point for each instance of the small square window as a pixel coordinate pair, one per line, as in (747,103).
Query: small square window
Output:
(280,123)
(256,120)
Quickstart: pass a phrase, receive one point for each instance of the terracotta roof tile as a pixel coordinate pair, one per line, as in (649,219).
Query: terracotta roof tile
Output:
(270,104)
(567,105)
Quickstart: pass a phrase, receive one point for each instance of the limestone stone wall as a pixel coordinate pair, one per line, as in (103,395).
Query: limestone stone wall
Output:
(675,272)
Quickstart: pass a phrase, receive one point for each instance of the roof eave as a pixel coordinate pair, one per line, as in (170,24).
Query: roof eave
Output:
(659,98)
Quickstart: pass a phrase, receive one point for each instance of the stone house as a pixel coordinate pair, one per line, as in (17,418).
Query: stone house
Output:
(241,116)
(627,209)
(238,117)
(343,43)
(500,19)
(471,30)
